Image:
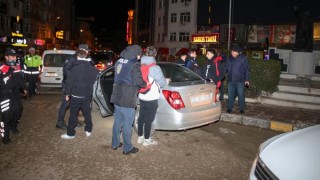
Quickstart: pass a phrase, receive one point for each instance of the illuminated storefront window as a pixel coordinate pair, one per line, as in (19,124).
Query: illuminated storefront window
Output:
(316,31)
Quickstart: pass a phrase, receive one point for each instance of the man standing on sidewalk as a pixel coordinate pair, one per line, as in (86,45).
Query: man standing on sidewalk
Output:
(238,77)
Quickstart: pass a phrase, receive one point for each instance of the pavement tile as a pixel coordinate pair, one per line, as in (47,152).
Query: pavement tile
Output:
(273,117)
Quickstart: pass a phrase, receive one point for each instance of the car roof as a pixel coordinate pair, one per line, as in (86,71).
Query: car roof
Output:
(59,51)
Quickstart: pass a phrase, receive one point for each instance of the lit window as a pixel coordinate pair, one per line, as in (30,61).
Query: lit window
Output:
(316,31)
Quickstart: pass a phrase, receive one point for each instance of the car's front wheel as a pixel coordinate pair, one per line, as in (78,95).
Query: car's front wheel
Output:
(135,123)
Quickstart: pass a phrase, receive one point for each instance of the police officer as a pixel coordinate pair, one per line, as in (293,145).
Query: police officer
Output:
(33,65)
(11,85)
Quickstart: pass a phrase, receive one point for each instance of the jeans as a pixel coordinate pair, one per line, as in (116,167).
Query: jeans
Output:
(123,121)
(236,88)
(148,110)
(75,105)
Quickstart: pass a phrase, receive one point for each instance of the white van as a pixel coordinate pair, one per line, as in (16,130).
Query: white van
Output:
(52,64)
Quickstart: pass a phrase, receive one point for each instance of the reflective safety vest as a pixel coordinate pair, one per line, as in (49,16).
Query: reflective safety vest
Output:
(32,64)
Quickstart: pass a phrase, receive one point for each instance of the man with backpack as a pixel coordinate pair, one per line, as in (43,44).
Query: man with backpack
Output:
(149,96)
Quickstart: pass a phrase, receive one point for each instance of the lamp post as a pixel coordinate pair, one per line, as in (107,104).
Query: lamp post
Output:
(229,25)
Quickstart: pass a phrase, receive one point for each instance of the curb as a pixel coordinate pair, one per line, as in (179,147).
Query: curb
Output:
(263,123)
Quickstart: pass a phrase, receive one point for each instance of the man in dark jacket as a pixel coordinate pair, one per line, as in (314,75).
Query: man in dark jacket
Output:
(78,90)
(182,60)
(238,77)
(192,63)
(214,70)
(127,81)
(11,88)
(70,61)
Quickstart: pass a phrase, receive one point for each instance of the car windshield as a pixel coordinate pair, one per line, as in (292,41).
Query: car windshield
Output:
(178,73)
(55,60)
(102,57)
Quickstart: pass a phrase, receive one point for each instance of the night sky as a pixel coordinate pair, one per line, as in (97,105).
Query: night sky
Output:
(103,12)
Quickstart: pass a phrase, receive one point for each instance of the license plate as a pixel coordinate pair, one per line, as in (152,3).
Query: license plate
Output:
(201,99)
(51,74)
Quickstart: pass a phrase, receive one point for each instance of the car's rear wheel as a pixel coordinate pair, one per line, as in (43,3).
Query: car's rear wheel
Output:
(135,123)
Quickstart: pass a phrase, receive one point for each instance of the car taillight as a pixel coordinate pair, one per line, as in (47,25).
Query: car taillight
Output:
(174,99)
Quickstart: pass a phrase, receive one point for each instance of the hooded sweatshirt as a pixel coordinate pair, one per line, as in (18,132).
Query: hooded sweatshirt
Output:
(155,71)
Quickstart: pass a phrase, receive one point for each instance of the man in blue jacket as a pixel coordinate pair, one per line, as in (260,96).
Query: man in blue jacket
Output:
(238,77)
(127,81)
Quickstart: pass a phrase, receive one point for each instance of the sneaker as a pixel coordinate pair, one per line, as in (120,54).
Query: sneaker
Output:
(66,136)
(63,127)
(149,141)
(88,134)
(133,150)
(15,131)
(6,140)
(241,111)
(140,139)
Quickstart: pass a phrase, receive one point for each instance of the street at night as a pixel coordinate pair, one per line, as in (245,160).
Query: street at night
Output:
(217,151)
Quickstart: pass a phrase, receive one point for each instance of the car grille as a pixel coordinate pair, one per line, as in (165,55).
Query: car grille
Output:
(262,172)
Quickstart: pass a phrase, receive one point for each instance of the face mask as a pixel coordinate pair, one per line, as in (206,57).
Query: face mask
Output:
(11,63)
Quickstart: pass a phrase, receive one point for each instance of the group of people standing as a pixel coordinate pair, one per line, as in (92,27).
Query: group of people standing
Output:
(218,68)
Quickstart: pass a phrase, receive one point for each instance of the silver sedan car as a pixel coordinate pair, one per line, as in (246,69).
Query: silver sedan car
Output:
(187,102)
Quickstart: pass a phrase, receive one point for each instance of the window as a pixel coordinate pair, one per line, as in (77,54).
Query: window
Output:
(173,17)
(174,1)
(27,26)
(159,21)
(159,37)
(160,4)
(27,6)
(185,17)
(186,2)
(173,36)
(184,37)
(16,4)
(316,31)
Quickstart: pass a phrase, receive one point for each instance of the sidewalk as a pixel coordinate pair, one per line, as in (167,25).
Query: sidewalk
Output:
(272,117)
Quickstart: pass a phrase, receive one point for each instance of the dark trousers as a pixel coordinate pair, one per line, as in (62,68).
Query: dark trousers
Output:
(75,105)
(32,80)
(62,110)
(11,109)
(147,114)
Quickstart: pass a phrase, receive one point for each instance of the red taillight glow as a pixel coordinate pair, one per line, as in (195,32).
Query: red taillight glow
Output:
(174,99)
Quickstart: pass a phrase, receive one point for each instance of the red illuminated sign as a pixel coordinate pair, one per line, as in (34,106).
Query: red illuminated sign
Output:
(205,38)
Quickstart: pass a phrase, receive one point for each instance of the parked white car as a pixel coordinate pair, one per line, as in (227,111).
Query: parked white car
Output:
(294,156)
(52,64)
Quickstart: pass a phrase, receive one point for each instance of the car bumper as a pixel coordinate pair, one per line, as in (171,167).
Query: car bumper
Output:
(176,120)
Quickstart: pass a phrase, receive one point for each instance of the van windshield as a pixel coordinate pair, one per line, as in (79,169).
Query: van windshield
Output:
(55,60)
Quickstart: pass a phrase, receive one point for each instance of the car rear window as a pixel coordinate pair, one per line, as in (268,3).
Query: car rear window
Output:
(55,60)
(178,73)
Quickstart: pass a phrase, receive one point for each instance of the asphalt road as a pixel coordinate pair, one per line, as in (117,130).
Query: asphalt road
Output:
(216,151)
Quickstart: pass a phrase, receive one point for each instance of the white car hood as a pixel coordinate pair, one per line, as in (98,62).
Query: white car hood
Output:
(295,155)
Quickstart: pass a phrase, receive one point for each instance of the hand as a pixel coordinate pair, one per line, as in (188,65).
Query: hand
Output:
(67,98)
(25,92)
(246,84)
(168,80)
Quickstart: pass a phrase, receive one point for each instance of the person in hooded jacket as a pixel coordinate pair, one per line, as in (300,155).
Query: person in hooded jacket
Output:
(214,71)
(78,90)
(149,101)
(127,81)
